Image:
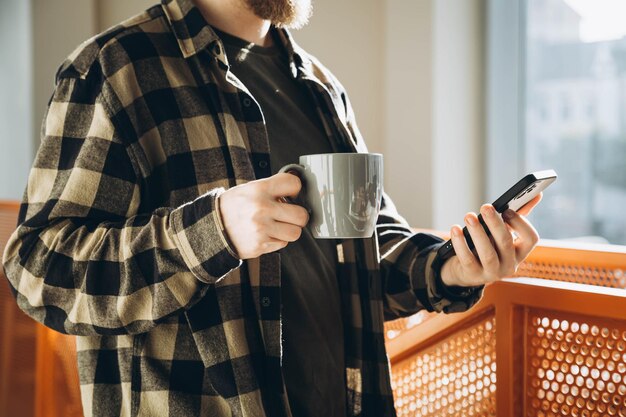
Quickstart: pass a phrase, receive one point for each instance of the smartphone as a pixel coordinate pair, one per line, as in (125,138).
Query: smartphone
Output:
(514,198)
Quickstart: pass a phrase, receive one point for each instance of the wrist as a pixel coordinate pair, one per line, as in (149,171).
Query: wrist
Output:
(447,281)
(220,221)
(196,233)
(448,275)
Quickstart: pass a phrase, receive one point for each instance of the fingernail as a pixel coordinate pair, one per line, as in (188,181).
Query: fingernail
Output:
(471,220)
(508,214)
(488,211)
(456,231)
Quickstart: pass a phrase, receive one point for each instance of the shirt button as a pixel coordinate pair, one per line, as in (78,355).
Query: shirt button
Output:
(262,164)
(265,301)
(247,102)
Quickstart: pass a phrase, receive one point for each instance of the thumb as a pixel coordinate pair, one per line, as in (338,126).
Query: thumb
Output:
(284,185)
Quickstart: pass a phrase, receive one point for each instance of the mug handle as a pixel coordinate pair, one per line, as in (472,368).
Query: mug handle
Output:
(298,171)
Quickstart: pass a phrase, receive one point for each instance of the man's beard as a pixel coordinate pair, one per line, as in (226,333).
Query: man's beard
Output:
(282,13)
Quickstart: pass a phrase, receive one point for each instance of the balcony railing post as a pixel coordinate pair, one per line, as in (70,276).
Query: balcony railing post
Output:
(505,358)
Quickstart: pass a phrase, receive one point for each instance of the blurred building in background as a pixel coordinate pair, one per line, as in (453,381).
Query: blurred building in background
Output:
(576,116)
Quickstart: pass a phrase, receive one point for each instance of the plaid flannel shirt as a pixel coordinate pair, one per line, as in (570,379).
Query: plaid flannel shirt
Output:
(120,243)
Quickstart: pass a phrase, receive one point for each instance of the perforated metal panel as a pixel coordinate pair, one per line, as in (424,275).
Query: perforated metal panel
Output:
(576,366)
(555,270)
(455,377)
(396,327)
(558,271)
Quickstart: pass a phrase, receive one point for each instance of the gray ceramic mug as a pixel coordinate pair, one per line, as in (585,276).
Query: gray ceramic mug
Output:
(341,191)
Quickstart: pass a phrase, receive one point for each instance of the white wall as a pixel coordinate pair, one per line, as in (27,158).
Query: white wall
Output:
(59,26)
(408,106)
(111,12)
(53,40)
(434,105)
(37,35)
(458,105)
(348,36)
(15,97)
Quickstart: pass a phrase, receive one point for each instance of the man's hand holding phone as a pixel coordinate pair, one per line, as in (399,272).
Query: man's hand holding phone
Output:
(496,256)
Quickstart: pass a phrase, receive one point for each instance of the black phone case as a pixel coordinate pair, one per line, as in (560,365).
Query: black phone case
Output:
(515,193)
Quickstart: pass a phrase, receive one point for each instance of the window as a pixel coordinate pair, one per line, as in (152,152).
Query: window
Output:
(569,61)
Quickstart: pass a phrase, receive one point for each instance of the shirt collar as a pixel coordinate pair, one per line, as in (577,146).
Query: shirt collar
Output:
(191,30)
(299,61)
(194,34)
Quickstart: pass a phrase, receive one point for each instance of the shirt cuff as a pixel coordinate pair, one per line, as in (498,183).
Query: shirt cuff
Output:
(201,238)
(451,299)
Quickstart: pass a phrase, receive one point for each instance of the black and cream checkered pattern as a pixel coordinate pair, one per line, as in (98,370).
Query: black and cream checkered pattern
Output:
(119,241)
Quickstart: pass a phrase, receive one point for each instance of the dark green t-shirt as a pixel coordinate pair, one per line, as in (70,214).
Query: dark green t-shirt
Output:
(313,344)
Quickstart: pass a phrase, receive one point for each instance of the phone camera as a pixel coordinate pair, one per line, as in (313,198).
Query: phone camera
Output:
(526,191)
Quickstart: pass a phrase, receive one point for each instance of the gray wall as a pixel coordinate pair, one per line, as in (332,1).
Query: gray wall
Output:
(408,106)
(348,36)
(111,12)
(59,27)
(15,97)
(458,139)
(35,37)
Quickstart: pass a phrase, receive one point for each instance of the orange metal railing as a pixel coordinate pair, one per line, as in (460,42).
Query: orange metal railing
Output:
(530,347)
(57,391)
(17,337)
(38,367)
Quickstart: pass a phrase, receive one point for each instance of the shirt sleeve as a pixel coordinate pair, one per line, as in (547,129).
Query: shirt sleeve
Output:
(86,258)
(411,277)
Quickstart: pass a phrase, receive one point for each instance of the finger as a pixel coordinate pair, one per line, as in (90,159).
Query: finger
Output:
(272,245)
(467,260)
(283,184)
(501,237)
(285,232)
(290,213)
(484,248)
(528,207)
(526,233)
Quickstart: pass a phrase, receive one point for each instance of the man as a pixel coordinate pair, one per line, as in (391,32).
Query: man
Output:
(152,226)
